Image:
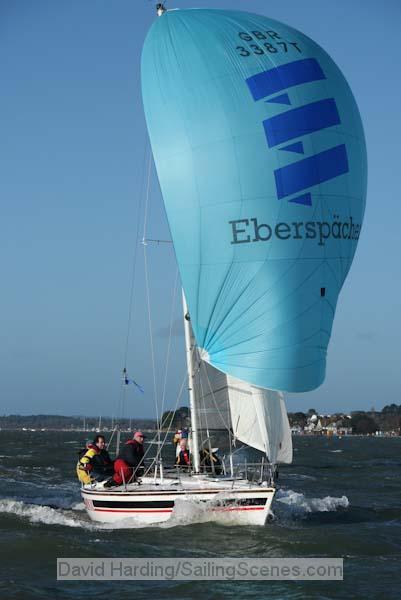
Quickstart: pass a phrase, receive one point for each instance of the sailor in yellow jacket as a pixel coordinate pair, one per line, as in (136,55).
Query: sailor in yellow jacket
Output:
(84,465)
(94,462)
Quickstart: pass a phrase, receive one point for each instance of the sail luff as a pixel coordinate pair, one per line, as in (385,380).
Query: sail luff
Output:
(191,383)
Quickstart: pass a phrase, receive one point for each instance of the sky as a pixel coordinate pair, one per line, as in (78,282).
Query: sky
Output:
(73,162)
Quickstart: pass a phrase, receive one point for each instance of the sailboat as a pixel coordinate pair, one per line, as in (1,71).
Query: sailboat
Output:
(239,493)
(260,154)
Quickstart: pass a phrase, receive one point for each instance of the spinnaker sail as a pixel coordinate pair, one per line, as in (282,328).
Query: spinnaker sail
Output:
(261,158)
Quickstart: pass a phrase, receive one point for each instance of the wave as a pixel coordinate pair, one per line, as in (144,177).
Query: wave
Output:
(298,476)
(41,483)
(56,502)
(335,451)
(52,515)
(299,505)
(42,514)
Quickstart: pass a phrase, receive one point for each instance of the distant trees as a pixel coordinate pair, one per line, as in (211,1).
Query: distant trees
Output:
(298,419)
(392,409)
(362,423)
(179,419)
(58,422)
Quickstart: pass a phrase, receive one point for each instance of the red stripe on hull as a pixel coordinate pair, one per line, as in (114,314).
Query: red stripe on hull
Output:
(231,508)
(130,510)
(150,510)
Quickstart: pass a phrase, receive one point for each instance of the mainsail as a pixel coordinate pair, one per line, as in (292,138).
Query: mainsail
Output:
(260,154)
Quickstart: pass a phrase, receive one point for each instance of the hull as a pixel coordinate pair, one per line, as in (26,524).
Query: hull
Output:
(150,503)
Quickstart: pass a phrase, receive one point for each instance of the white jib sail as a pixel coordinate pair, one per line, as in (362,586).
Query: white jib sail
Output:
(259,419)
(258,416)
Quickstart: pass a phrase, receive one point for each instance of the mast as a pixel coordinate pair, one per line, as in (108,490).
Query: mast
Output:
(192,399)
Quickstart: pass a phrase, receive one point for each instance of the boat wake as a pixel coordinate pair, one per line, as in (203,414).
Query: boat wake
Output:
(298,505)
(46,514)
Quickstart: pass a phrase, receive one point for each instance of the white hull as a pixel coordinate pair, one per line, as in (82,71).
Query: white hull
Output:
(240,503)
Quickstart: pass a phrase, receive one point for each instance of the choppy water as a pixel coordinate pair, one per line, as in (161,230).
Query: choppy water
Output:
(341,497)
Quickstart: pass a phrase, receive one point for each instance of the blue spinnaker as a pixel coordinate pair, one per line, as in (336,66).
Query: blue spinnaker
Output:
(261,158)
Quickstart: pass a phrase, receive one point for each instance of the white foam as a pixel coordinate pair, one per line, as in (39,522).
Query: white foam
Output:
(299,504)
(37,513)
(41,514)
(189,511)
(335,451)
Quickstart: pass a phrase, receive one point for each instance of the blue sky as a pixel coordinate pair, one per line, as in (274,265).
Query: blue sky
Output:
(72,149)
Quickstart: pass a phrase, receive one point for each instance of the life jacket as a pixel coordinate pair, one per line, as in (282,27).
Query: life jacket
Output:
(84,465)
(82,452)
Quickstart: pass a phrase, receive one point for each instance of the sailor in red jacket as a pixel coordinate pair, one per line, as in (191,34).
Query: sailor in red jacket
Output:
(128,463)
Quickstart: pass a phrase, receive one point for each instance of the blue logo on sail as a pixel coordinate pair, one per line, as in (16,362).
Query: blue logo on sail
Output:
(297,122)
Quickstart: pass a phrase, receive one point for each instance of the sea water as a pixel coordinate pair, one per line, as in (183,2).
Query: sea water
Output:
(339,498)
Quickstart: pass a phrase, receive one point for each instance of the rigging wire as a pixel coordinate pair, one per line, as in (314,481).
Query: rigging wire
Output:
(131,302)
(150,326)
(157,437)
(161,444)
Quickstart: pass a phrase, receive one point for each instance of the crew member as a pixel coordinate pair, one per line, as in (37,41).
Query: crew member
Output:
(129,463)
(94,463)
(184,456)
(176,441)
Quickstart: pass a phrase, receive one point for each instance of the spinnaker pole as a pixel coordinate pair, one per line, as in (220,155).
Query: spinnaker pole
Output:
(192,399)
